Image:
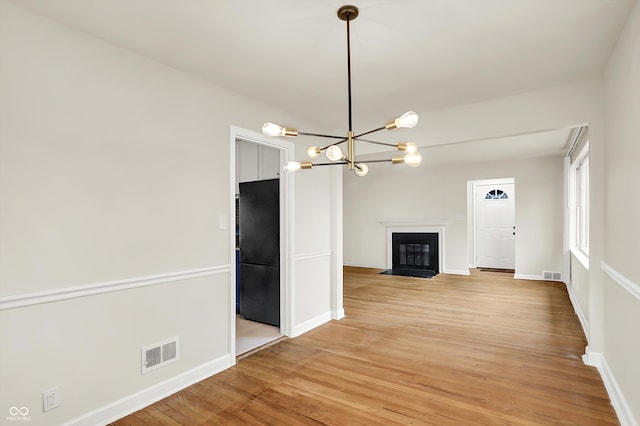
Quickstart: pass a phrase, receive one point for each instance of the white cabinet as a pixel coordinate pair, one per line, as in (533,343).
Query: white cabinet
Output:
(256,162)
(268,162)
(246,161)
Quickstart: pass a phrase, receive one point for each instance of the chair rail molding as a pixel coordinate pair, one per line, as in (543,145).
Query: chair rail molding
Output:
(65,293)
(315,255)
(623,281)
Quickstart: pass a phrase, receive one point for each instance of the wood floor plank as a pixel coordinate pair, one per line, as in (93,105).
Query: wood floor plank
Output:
(483,349)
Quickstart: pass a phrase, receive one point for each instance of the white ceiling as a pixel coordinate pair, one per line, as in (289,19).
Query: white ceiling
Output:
(406,54)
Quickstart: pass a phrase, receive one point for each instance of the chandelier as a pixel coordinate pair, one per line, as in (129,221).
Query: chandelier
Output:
(333,152)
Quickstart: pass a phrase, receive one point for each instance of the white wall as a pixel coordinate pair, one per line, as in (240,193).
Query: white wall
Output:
(436,191)
(547,109)
(314,247)
(114,170)
(622,97)
(622,210)
(579,288)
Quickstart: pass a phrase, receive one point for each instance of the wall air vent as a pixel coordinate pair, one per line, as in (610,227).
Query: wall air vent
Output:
(552,275)
(159,354)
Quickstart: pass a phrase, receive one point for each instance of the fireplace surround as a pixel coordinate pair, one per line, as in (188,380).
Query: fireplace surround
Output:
(435,227)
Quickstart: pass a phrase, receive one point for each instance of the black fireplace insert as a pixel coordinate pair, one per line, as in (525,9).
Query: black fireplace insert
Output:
(414,254)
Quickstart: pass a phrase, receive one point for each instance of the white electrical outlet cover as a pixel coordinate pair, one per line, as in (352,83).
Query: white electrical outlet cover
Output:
(50,399)
(222,221)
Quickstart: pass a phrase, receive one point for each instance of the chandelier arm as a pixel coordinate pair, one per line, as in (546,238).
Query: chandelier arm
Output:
(341,163)
(322,148)
(377,143)
(378,161)
(320,135)
(369,132)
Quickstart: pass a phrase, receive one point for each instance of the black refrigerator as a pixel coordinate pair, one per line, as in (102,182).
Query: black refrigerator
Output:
(259,229)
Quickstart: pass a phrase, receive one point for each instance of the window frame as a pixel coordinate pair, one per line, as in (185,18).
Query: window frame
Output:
(579,203)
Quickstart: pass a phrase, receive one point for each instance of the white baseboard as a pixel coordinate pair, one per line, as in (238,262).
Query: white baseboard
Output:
(311,324)
(358,265)
(337,315)
(619,402)
(591,358)
(528,277)
(456,271)
(573,298)
(146,397)
(445,271)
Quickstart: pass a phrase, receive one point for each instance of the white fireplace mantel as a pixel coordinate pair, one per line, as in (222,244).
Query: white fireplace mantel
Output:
(427,226)
(413,223)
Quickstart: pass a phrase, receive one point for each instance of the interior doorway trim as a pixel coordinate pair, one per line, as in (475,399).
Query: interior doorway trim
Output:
(287,237)
(472,213)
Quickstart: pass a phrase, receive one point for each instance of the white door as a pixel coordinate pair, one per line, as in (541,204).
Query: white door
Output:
(495,226)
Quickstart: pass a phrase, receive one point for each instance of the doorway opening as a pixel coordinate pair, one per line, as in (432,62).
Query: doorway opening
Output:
(261,244)
(492,229)
(258,256)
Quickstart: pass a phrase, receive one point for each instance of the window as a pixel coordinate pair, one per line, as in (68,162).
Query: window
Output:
(579,187)
(496,194)
(582,205)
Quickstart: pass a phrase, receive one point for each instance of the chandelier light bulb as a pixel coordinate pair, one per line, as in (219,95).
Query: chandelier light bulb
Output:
(413,160)
(362,169)
(292,166)
(271,129)
(408,147)
(313,151)
(411,148)
(407,120)
(334,153)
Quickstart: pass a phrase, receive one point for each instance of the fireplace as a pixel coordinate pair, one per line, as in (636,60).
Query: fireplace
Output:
(416,235)
(415,253)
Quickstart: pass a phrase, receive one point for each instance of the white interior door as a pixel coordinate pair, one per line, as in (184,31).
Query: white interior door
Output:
(495,226)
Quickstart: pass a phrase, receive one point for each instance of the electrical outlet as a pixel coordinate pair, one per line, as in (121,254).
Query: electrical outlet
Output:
(50,399)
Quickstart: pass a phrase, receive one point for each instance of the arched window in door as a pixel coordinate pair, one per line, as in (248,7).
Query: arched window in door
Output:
(496,194)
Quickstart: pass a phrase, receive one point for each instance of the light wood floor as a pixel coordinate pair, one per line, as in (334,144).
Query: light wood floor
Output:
(452,350)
